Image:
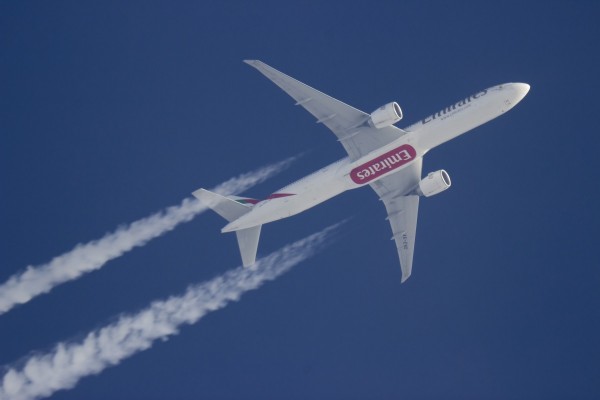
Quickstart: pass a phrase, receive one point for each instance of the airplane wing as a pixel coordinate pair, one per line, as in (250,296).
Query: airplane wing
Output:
(347,123)
(402,210)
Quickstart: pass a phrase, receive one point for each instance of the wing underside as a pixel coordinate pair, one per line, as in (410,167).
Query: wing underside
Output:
(349,124)
(402,210)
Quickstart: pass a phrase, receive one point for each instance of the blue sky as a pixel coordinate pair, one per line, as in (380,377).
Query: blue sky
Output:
(112,111)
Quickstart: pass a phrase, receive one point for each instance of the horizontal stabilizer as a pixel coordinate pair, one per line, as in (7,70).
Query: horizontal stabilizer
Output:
(248,243)
(231,209)
(225,207)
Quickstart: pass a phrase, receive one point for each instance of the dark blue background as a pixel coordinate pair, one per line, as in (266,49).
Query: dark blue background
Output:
(112,110)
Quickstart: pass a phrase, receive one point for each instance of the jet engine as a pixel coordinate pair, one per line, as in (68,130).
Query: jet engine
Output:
(386,115)
(434,183)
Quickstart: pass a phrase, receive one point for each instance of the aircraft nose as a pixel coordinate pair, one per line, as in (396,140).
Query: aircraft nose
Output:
(521,90)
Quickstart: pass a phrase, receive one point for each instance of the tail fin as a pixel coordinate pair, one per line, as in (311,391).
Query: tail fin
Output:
(231,208)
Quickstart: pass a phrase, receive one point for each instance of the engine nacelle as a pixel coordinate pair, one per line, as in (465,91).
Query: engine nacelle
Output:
(386,115)
(434,183)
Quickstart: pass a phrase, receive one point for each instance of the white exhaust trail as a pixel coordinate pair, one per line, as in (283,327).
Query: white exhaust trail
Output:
(33,281)
(43,374)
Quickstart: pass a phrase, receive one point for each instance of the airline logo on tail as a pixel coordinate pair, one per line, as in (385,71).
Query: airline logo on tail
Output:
(383,164)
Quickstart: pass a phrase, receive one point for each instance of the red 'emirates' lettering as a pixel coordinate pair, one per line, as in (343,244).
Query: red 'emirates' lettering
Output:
(383,164)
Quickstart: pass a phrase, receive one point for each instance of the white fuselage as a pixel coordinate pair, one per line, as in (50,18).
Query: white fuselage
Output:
(422,136)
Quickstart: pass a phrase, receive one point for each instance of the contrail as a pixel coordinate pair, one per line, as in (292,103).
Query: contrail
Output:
(33,281)
(43,374)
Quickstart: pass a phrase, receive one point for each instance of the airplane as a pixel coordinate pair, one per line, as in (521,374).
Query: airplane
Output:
(387,158)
